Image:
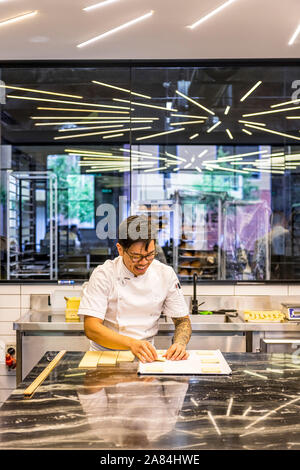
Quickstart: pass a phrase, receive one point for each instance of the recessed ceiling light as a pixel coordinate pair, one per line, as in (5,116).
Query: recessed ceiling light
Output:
(293,38)
(212,13)
(18,18)
(99,4)
(118,28)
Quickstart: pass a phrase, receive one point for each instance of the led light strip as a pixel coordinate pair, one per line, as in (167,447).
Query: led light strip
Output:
(175,156)
(18,18)
(271,112)
(97,118)
(185,123)
(247,132)
(229,133)
(272,132)
(227,110)
(101,4)
(112,136)
(144,105)
(189,116)
(209,15)
(121,89)
(84,111)
(90,128)
(214,126)
(294,36)
(100,133)
(159,134)
(251,91)
(125,25)
(252,122)
(193,136)
(68,102)
(195,102)
(39,91)
(87,151)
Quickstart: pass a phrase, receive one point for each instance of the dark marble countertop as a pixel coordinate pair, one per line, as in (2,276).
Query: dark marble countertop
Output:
(256,408)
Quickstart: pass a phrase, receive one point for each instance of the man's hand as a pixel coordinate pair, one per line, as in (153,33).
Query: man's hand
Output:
(143,350)
(176,352)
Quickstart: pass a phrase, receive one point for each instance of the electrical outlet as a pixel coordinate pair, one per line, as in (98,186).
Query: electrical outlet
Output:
(11,345)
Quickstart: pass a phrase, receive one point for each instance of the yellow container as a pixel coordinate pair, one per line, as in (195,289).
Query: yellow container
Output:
(72,309)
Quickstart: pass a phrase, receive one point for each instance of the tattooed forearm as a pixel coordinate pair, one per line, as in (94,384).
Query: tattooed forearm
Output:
(183,330)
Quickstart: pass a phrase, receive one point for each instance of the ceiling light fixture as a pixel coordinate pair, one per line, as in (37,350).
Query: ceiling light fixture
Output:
(100,133)
(112,136)
(209,15)
(175,156)
(202,153)
(18,18)
(293,38)
(195,102)
(125,25)
(227,110)
(90,128)
(252,122)
(251,90)
(100,4)
(247,132)
(121,89)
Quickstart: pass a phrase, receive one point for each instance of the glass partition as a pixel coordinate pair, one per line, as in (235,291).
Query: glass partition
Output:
(210,152)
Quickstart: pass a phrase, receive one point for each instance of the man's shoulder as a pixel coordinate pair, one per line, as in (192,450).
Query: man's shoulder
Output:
(107,268)
(162,268)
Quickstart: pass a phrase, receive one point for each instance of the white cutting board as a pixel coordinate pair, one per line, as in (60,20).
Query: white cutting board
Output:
(199,362)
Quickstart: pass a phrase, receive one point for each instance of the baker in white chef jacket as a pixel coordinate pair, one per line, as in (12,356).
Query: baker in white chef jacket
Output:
(124,298)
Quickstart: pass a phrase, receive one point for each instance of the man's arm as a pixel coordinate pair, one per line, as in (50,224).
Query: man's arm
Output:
(96,331)
(182,335)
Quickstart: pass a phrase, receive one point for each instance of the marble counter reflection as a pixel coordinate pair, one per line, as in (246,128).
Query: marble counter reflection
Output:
(257,407)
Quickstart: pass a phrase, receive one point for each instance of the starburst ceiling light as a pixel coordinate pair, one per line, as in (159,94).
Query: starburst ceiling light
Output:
(227,110)
(251,90)
(247,132)
(39,91)
(212,13)
(99,4)
(294,36)
(112,136)
(175,156)
(121,89)
(195,102)
(252,122)
(118,28)
(14,19)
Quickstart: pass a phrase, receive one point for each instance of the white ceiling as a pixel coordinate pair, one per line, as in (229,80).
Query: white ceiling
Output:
(245,29)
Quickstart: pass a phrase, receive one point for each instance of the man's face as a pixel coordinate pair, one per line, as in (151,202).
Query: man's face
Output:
(131,257)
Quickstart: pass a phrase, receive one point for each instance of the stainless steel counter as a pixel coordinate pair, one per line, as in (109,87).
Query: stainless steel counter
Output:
(39,331)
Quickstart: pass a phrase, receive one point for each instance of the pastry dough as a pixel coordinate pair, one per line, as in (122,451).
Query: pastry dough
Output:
(210,361)
(203,352)
(90,359)
(125,356)
(108,358)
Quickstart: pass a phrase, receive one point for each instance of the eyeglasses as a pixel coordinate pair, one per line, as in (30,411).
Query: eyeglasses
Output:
(137,258)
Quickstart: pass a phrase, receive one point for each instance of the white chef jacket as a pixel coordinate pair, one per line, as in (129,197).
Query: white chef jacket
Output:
(131,305)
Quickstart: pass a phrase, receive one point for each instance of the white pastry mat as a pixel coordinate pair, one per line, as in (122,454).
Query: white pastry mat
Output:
(199,362)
